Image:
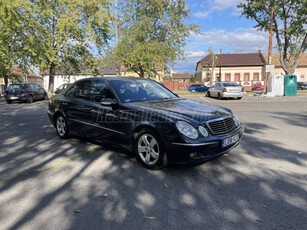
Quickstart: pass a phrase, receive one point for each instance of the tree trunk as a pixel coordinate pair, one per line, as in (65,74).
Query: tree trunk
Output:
(6,82)
(51,77)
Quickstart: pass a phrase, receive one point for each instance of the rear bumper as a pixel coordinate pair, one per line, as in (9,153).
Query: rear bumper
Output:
(226,94)
(16,98)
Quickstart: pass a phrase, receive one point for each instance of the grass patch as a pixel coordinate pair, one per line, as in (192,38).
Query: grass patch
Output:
(301,91)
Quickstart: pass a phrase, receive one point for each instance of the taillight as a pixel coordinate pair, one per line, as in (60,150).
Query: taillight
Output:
(24,91)
(242,90)
(224,90)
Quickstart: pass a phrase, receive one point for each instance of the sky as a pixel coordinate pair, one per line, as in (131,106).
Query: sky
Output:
(222,28)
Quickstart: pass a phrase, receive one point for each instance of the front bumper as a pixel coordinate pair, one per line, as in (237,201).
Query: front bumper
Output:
(202,151)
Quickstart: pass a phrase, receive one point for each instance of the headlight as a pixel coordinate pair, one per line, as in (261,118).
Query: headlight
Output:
(187,129)
(203,131)
(236,120)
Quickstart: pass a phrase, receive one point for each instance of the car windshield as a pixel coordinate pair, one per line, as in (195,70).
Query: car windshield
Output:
(140,90)
(230,84)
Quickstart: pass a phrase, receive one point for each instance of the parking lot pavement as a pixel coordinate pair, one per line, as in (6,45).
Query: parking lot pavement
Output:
(49,183)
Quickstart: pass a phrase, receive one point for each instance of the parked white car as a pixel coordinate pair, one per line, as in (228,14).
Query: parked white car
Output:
(226,90)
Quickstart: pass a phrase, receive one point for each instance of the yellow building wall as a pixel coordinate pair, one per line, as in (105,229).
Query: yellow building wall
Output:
(133,74)
(302,71)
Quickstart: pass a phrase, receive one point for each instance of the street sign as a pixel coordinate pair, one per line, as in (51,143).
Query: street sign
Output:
(269,68)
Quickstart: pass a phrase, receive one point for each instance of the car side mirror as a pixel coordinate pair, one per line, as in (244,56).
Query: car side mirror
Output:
(108,102)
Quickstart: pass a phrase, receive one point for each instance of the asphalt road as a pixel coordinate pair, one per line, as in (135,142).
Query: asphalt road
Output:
(49,183)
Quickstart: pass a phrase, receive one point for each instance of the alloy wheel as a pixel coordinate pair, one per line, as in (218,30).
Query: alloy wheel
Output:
(148,149)
(61,126)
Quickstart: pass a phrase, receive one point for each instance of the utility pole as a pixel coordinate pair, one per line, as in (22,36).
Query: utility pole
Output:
(270,40)
(270,47)
(220,61)
(212,73)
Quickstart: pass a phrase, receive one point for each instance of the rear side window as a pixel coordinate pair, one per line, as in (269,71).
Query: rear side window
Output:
(80,90)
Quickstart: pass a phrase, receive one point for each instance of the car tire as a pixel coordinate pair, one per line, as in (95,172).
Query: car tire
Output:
(8,102)
(219,96)
(149,149)
(208,94)
(239,98)
(30,99)
(61,127)
(45,96)
(193,91)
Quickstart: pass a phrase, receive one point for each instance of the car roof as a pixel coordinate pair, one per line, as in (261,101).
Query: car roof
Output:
(112,79)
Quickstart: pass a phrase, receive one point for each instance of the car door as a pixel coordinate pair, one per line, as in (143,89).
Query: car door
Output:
(40,91)
(77,108)
(213,90)
(110,122)
(33,91)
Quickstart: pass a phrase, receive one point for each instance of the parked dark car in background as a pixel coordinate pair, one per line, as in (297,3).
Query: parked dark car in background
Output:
(143,116)
(301,85)
(61,88)
(226,90)
(27,92)
(258,87)
(198,88)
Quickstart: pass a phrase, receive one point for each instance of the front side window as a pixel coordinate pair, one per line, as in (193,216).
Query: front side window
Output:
(99,91)
(31,87)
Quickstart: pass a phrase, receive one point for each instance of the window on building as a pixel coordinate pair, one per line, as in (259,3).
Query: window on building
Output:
(256,76)
(227,76)
(237,77)
(246,77)
(111,68)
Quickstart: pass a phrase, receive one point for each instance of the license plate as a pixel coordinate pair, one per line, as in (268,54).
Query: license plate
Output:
(230,140)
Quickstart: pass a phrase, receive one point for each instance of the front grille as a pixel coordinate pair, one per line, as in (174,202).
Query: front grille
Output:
(221,125)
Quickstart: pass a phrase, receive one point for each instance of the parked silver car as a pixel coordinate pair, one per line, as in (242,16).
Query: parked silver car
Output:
(226,90)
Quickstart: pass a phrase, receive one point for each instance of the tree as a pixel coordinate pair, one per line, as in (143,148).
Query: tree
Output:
(59,31)
(289,26)
(11,43)
(152,33)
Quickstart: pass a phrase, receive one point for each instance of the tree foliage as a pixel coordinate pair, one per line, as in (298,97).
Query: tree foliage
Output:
(289,26)
(59,31)
(152,34)
(11,42)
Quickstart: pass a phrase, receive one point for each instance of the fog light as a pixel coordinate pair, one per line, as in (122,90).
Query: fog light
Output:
(195,155)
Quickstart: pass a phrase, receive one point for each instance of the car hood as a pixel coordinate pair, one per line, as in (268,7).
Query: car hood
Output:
(179,109)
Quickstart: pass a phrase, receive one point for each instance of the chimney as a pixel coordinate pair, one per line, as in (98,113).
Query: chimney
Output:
(259,51)
(236,52)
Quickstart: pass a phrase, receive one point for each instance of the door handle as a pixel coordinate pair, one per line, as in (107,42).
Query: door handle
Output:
(87,108)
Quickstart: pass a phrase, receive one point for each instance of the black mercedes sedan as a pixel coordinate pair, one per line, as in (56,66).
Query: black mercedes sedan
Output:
(146,118)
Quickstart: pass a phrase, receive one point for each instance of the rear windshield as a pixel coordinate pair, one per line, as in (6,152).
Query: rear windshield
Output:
(15,86)
(230,84)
